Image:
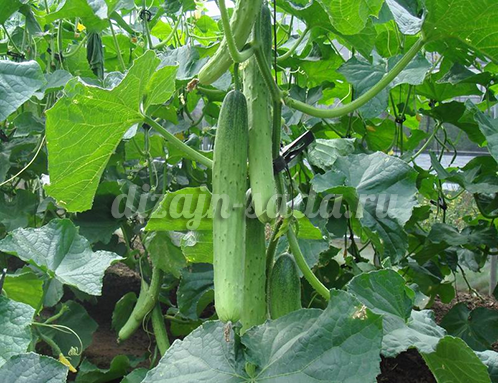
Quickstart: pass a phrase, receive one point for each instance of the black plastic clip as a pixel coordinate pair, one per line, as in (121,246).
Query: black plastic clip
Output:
(145,14)
(291,151)
(2,279)
(400,120)
(441,203)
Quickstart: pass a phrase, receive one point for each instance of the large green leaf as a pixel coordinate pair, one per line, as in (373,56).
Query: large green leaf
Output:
(489,128)
(85,127)
(405,14)
(381,191)
(8,7)
(455,362)
(350,16)
(472,22)
(323,153)
(306,345)
(33,368)
(92,12)
(385,292)
(18,83)
(490,359)
(15,333)
(62,253)
(164,254)
(196,282)
(478,328)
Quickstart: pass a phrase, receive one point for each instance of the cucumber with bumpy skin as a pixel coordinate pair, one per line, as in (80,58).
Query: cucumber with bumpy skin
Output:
(229,195)
(242,21)
(254,298)
(258,97)
(285,287)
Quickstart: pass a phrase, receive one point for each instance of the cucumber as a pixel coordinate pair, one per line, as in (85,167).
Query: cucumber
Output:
(254,298)
(258,97)
(242,21)
(229,190)
(285,287)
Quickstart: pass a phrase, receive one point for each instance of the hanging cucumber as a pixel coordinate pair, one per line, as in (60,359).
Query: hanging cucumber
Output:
(229,224)
(146,302)
(95,54)
(261,177)
(242,21)
(254,299)
(285,287)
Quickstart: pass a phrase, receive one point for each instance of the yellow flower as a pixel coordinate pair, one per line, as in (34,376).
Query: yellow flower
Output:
(67,363)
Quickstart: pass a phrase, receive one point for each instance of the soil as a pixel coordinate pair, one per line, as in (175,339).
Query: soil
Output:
(408,367)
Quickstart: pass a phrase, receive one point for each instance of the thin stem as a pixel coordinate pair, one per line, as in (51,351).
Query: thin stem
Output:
(366,97)
(235,54)
(122,24)
(289,53)
(116,46)
(270,251)
(10,40)
(266,73)
(165,42)
(192,153)
(303,266)
(426,144)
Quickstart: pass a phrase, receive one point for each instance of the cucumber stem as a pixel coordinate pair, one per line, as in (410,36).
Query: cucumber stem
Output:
(165,42)
(303,266)
(366,97)
(178,144)
(235,54)
(289,53)
(159,328)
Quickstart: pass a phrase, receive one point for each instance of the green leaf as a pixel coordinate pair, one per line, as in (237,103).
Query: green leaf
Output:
(472,22)
(405,16)
(328,343)
(164,254)
(7,8)
(15,332)
(382,291)
(24,287)
(136,376)
(92,12)
(183,210)
(196,282)
(188,60)
(18,83)
(350,16)
(385,293)
(62,253)
(85,127)
(197,246)
(323,153)
(455,362)
(383,190)
(15,213)
(161,86)
(33,368)
(478,328)
(489,128)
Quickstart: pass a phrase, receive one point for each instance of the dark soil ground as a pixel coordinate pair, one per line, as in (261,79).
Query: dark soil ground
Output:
(408,367)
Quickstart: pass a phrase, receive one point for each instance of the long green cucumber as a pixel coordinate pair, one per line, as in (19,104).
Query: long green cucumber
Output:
(242,21)
(229,191)
(145,303)
(260,127)
(285,287)
(254,298)
(159,328)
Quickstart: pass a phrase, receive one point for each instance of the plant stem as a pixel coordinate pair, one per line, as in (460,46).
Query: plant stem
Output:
(10,39)
(235,54)
(170,36)
(289,53)
(159,328)
(118,50)
(366,97)
(426,144)
(122,24)
(303,266)
(264,68)
(175,142)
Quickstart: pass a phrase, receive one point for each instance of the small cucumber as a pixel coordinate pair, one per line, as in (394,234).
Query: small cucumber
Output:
(285,287)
